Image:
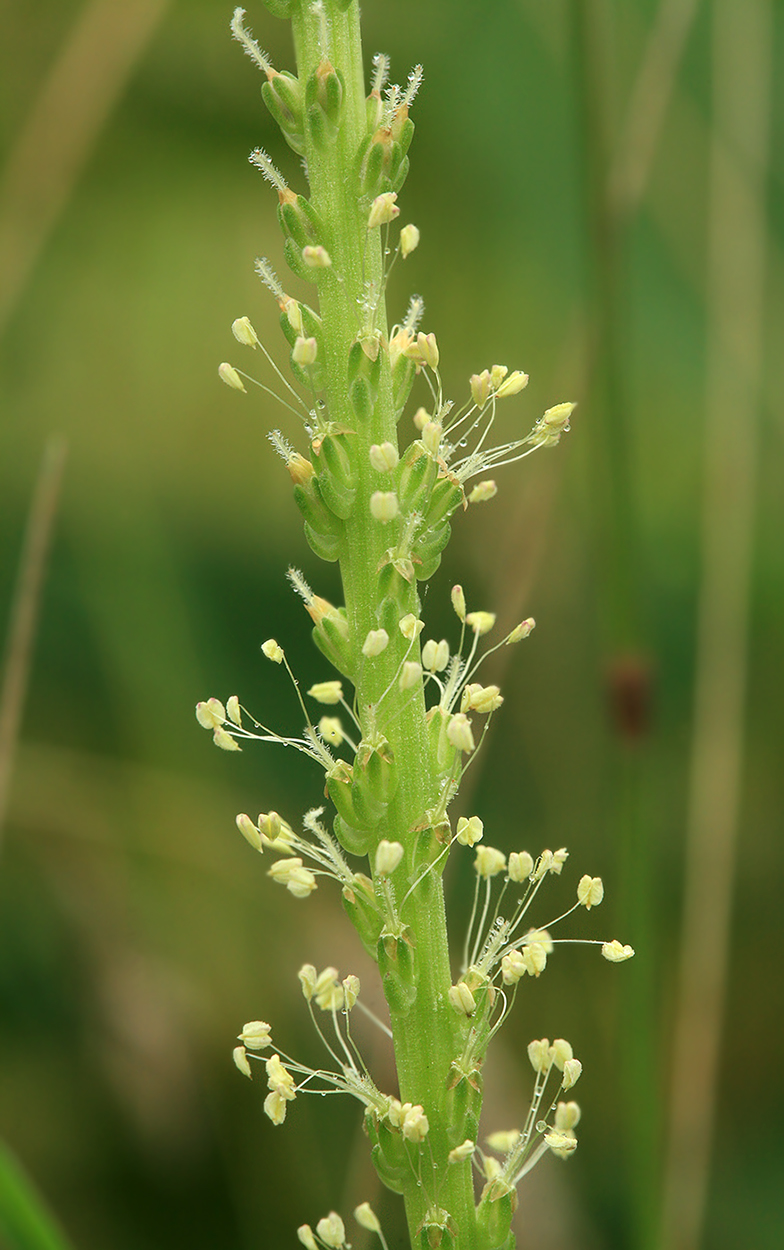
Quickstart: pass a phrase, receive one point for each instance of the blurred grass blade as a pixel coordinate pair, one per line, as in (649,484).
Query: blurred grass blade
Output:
(25,1222)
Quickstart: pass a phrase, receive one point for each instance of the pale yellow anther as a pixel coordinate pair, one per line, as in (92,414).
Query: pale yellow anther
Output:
(400,344)
(272,651)
(482,699)
(435,655)
(293,314)
(233,710)
(521,865)
(367,1218)
(280,1079)
(410,626)
(223,739)
(512,384)
(590,891)
(534,957)
(539,1054)
(243,332)
(462,1152)
(308,977)
(249,831)
(513,967)
(571,1073)
(428,349)
(567,1116)
(255,1035)
(459,732)
(376,642)
(331,730)
(228,374)
(304,352)
(275,1106)
(388,857)
(328,993)
(559,859)
(489,861)
(431,436)
(480,622)
(561,1052)
(462,999)
(383,209)
(410,675)
(562,1144)
(351,988)
(384,457)
(540,936)
(270,826)
(483,491)
(210,714)
(298,881)
(458,602)
(504,1140)
(305,1235)
(384,506)
(327,692)
(241,1061)
(421,418)
(523,630)
(415,1125)
(409,240)
(497,375)
(332,1231)
(616,952)
(481,387)
(491,1167)
(470,830)
(543,865)
(316,257)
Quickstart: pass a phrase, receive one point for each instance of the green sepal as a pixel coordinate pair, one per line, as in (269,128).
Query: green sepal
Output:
(283,98)
(367,807)
(325,546)
(426,568)
(447,495)
(397,179)
(442,751)
(311,325)
(403,375)
(355,841)
(438,1231)
(339,789)
(394,583)
(463,1103)
(360,906)
(374,112)
(299,222)
(426,552)
(374,770)
(335,458)
(403,135)
(322,131)
(296,264)
(388,1153)
(373,157)
(495,1212)
(279,8)
(396,964)
(364,375)
(325,91)
(331,638)
(338,498)
(388,617)
(418,473)
(315,512)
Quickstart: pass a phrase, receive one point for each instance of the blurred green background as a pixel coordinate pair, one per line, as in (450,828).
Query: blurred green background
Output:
(137,931)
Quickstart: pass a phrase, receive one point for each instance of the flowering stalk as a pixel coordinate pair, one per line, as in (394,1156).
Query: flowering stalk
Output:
(417,713)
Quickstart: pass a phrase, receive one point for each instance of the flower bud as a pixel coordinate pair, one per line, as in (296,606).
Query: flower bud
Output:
(409,240)
(410,626)
(388,857)
(307,976)
(567,1116)
(431,436)
(415,1125)
(482,699)
(513,967)
(481,387)
(228,374)
(560,1052)
(428,349)
(572,1070)
(224,740)
(559,859)
(328,991)
(521,631)
(512,385)
(458,602)
(421,418)
(243,332)
(351,988)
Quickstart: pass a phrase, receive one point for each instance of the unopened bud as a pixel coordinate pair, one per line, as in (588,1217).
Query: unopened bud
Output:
(255,1035)
(431,436)
(462,1152)
(481,387)
(428,349)
(331,730)
(521,631)
(410,626)
(458,602)
(421,418)
(512,385)
(332,1231)
(243,332)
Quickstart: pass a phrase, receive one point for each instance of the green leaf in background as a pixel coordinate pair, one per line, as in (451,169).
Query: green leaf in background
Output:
(25,1222)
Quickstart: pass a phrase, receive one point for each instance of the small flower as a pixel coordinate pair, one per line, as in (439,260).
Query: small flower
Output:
(462,999)
(409,240)
(384,506)
(384,457)
(388,857)
(298,881)
(489,861)
(255,1035)
(435,655)
(367,1218)
(458,602)
(480,622)
(470,830)
(316,257)
(243,332)
(228,374)
(332,1231)
(615,952)
(241,1060)
(482,699)
(375,643)
(521,865)
(327,692)
(462,1152)
(458,731)
(590,891)
(483,491)
(383,209)
(272,651)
